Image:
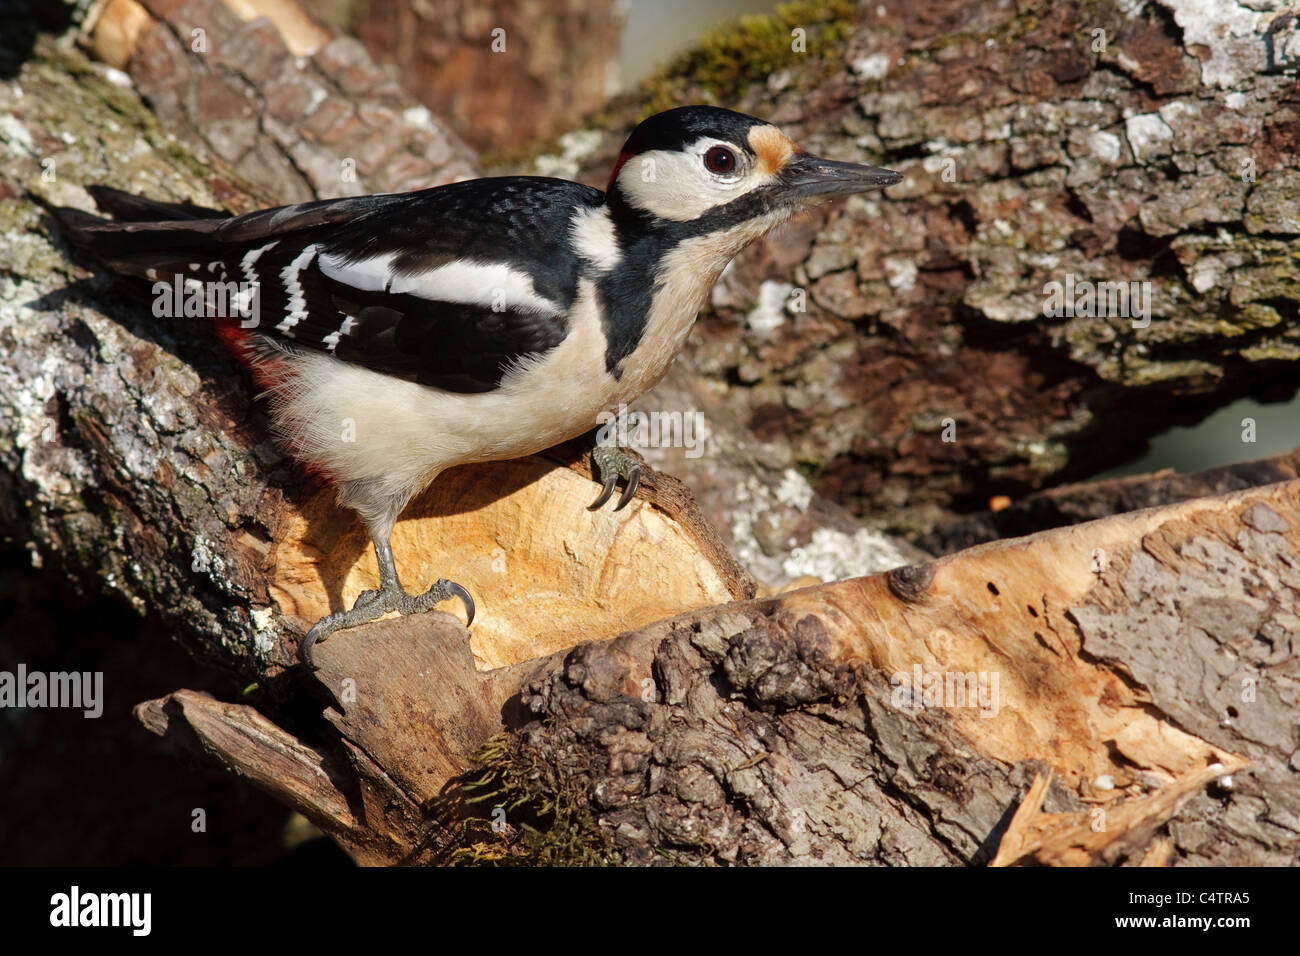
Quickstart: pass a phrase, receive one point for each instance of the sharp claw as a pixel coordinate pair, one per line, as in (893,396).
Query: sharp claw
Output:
(610,481)
(465,599)
(304,649)
(365,610)
(633,481)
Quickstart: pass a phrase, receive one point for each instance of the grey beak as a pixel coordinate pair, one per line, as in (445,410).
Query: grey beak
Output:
(807,176)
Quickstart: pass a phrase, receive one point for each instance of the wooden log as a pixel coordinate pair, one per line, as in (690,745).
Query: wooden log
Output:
(1143,660)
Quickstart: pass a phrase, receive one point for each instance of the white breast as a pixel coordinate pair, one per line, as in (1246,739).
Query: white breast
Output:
(684,280)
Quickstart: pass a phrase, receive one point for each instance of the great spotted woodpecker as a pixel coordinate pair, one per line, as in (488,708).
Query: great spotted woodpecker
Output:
(477,321)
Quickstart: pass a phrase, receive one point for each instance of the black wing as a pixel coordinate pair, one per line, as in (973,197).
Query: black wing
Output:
(447,287)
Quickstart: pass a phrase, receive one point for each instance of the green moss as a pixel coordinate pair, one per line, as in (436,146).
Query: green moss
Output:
(730,58)
(1251,316)
(726,61)
(1271,352)
(546,821)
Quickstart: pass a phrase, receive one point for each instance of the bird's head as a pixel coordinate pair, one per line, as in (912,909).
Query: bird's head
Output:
(719,170)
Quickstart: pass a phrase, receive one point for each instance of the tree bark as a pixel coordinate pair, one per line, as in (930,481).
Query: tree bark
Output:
(1143,663)
(896,348)
(503,73)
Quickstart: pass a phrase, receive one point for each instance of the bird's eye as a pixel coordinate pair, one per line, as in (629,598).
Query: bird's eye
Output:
(720,160)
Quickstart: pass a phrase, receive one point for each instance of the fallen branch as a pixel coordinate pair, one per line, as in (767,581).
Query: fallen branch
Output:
(890,719)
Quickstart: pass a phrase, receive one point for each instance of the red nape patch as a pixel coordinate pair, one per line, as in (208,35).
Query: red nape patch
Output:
(618,166)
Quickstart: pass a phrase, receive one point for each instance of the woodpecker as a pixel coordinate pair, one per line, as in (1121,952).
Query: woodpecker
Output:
(478,321)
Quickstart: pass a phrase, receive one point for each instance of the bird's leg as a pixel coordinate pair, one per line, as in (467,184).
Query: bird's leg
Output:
(390,596)
(612,463)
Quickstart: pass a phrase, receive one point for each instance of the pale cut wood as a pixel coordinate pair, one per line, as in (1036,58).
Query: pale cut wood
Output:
(112,28)
(293,21)
(545,572)
(1102,834)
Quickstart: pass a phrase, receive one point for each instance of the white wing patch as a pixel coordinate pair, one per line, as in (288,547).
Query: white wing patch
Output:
(296,309)
(492,285)
(369,275)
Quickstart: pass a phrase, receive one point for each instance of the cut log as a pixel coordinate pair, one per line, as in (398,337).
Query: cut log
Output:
(543,584)
(1144,661)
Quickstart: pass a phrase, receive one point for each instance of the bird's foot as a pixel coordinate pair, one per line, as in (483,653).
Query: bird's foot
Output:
(613,463)
(373,604)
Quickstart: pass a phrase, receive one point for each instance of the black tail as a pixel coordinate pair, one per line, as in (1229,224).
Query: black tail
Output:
(154,239)
(147,238)
(127,207)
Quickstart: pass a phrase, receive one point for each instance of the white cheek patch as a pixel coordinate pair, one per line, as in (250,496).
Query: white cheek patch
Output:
(675,185)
